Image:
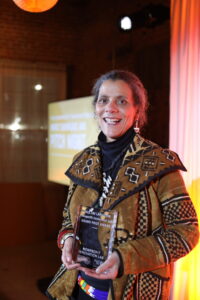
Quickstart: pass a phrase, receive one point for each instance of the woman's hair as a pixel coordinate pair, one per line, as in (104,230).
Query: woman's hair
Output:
(138,91)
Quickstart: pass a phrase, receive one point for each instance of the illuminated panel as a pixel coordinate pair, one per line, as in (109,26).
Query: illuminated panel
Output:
(185,124)
(71,128)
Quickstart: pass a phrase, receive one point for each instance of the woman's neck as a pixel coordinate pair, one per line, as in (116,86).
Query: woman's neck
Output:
(111,151)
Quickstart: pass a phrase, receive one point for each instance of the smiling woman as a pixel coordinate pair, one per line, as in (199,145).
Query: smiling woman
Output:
(141,182)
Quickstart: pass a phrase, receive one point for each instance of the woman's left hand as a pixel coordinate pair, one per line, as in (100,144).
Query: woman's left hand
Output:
(107,270)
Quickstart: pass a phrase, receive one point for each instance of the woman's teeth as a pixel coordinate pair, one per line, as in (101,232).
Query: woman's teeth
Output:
(111,121)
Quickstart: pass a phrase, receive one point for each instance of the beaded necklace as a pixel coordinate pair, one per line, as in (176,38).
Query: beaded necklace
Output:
(106,187)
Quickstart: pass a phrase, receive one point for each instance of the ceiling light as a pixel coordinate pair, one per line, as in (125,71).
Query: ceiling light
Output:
(149,16)
(35,6)
(126,23)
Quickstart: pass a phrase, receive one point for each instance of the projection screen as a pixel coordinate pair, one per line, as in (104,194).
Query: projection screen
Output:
(71,128)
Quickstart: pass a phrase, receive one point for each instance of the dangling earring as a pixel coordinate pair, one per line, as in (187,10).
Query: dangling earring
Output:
(136,127)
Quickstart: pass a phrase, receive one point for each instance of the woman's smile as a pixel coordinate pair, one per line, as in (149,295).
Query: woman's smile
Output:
(111,121)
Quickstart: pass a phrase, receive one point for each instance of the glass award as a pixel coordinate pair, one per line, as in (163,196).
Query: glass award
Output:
(94,235)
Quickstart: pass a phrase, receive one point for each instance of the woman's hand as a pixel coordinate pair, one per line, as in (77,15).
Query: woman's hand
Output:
(67,255)
(108,270)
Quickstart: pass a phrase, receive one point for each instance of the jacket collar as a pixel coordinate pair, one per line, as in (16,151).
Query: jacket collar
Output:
(143,162)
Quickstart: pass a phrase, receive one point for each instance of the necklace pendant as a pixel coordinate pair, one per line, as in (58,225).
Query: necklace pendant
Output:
(101,202)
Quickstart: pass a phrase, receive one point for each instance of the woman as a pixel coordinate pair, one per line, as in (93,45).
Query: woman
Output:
(157,223)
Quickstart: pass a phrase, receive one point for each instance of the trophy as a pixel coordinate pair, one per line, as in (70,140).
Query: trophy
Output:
(94,234)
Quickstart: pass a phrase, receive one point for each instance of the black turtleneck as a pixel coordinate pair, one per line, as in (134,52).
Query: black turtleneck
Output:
(113,152)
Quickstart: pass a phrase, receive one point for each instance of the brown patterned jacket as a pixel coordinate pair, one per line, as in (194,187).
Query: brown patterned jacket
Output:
(157,223)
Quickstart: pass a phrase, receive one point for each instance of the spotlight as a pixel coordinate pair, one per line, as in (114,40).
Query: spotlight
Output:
(149,16)
(126,23)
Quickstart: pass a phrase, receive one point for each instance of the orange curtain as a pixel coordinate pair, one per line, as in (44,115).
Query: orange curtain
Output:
(185,125)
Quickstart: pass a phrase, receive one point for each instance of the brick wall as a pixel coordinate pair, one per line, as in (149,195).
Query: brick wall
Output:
(49,36)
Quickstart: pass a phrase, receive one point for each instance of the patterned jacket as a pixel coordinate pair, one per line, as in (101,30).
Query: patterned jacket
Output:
(157,223)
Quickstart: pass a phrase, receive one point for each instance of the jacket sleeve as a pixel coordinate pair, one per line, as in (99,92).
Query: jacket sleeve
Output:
(176,235)
(67,227)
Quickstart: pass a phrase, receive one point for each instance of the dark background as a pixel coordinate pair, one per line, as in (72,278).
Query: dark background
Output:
(84,36)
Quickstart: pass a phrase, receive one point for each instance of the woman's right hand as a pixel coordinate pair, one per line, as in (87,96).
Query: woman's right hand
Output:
(67,255)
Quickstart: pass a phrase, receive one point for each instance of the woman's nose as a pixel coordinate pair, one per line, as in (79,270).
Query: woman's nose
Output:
(111,106)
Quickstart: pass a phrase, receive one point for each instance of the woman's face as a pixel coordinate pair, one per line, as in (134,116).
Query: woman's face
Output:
(115,108)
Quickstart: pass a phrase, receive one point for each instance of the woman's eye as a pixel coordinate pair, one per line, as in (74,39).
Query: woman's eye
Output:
(122,101)
(102,100)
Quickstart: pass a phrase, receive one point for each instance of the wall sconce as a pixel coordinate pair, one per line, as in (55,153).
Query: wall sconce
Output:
(35,6)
